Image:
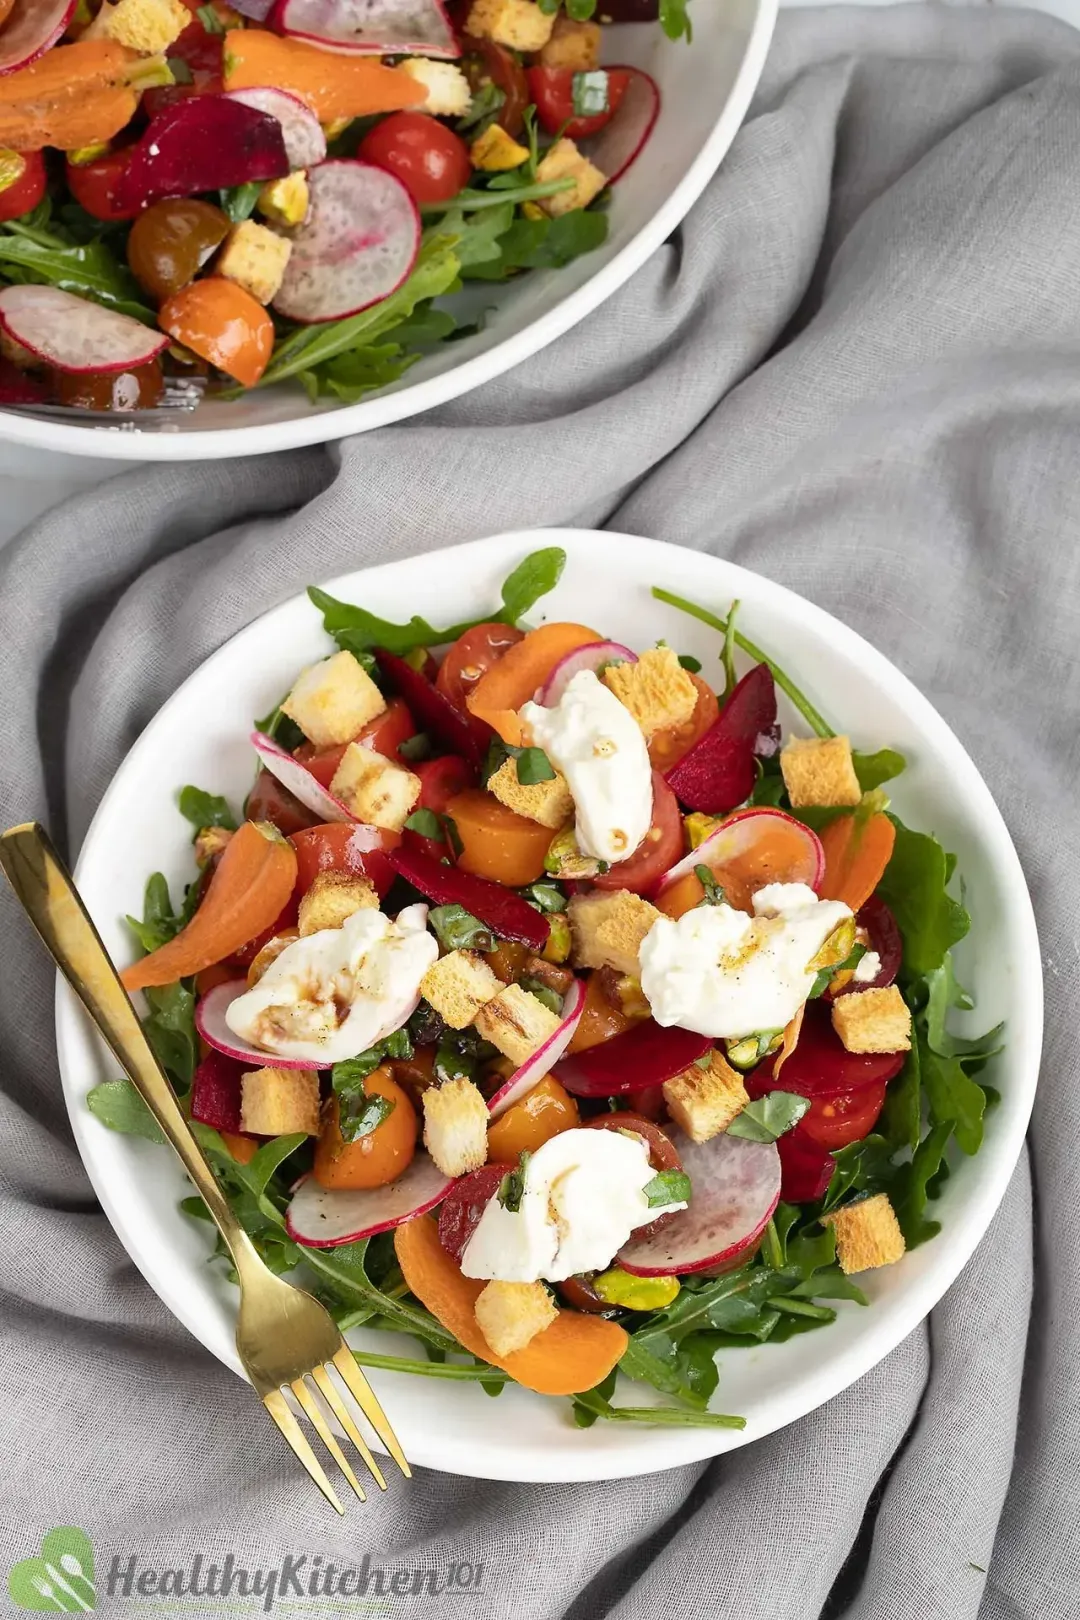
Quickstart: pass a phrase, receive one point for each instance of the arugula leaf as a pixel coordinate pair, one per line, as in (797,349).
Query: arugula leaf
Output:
(205,809)
(874,769)
(667,1187)
(901,1118)
(542,244)
(158,924)
(953,1096)
(359,1113)
(731,678)
(458,930)
(864,1166)
(913,888)
(427,823)
(769,1117)
(910,1197)
(675,19)
(118,1105)
(943,995)
(484,109)
(351,375)
(89,270)
(170,1029)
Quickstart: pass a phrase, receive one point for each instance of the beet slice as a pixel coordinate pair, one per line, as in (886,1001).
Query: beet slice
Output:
(357,245)
(734,1188)
(885,939)
(718,772)
(617,147)
(215,1091)
(73,334)
(204,143)
(821,1066)
(645,1055)
(322,1217)
(371,27)
(505,912)
(465,1203)
(305,141)
(432,710)
(807,1168)
(32,28)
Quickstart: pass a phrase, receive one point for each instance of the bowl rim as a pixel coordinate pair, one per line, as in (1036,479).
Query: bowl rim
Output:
(895,1317)
(324,427)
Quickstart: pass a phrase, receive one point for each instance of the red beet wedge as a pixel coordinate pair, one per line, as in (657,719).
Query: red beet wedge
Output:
(718,773)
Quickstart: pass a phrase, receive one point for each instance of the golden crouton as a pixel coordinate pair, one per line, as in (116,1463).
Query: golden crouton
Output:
(495,151)
(254,257)
(819,771)
(563,161)
(608,928)
(277,1102)
(511,1314)
(458,985)
(574,45)
(657,690)
(873,1021)
(209,841)
(548,802)
(867,1234)
(448,93)
(374,789)
(333,898)
(333,699)
(286,201)
(146,26)
(704,1101)
(455,1126)
(516,1022)
(517,23)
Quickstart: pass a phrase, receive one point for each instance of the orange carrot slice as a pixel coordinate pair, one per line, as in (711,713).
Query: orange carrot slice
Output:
(571,1355)
(856,855)
(333,86)
(792,1031)
(254,878)
(520,671)
(75,95)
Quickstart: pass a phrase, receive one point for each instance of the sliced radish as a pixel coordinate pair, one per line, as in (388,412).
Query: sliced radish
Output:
(305,143)
(736,844)
(719,772)
(32,27)
(644,1055)
(215,1091)
(616,147)
(299,780)
(545,1059)
(591,656)
(73,334)
(202,143)
(357,245)
(396,27)
(734,1188)
(256,10)
(321,1217)
(210,1023)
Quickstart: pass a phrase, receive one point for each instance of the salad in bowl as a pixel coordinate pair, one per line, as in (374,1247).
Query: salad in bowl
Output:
(202,199)
(550,1004)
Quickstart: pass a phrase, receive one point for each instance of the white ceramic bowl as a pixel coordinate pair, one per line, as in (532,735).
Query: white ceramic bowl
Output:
(200,736)
(706,89)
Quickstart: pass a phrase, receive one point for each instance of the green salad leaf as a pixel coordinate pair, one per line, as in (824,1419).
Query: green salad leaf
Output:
(769,1117)
(118,1105)
(458,930)
(914,889)
(205,809)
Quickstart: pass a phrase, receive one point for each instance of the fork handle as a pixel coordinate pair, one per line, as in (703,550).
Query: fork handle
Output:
(52,903)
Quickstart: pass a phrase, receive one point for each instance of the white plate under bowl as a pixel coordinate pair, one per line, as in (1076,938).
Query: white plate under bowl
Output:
(200,736)
(706,89)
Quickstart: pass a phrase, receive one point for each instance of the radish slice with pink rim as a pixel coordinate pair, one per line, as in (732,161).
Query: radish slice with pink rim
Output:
(616,147)
(591,656)
(210,1023)
(523,1080)
(734,1188)
(32,27)
(73,334)
(299,780)
(736,836)
(357,245)
(305,142)
(373,27)
(322,1217)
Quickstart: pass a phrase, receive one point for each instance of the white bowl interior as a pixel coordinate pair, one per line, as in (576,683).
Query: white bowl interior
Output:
(200,736)
(706,89)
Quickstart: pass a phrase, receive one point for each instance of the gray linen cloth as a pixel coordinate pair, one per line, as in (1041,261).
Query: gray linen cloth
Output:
(857,369)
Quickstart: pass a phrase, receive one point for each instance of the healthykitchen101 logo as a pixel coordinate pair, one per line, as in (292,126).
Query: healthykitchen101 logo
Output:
(60,1579)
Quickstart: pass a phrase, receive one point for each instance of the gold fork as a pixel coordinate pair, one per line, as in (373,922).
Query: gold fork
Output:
(283,1335)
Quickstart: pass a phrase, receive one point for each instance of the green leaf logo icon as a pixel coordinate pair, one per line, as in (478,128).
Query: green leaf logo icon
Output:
(61,1579)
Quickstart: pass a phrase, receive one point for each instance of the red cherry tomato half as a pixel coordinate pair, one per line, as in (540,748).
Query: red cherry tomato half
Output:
(26,188)
(486,62)
(834,1122)
(464,1204)
(440,781)
(204,56)
(431,162)
(244,957)
(471,656)
(384,734)
(269,801)
(660,848)
(552,90)
(339,846)
(662,1152)
(92,185)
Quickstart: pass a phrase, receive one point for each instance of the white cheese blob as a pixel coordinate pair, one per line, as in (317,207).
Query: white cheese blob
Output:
(726,975)
(599,747)
(867,968)
(583,1196)
(330,996)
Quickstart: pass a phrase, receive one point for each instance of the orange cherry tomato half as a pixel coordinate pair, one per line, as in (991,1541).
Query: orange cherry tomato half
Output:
(545,1112)
(600,1020)
(667,747)
(471,656)
(378,1157)
(22,182)
(496,843)
(661,847)
(431,162)
(223,324)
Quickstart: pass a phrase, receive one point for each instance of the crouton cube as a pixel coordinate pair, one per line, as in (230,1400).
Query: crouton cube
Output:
(495,151)
(254,257)
(517,23)
(657,690)
(276,1102)
(455,1126)
(819,771)
(511,1314)
(873,1021)
(332,700)
(867,1234)
(563,161)
(375,789)
(608,928)
(574,45)
(209,842)
(448,93)
(146,26)
(458,985)
(549,802)
(333,898)
(286,201)
(516,1022)
(705,1100)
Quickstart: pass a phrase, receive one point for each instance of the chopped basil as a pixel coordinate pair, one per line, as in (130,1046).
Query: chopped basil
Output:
(427,824)
(714,894)
(512,1186)
(544,896)
(533,766)
(769,1116)
(590,93)
(416,748)
(667,1187)
(458,930)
